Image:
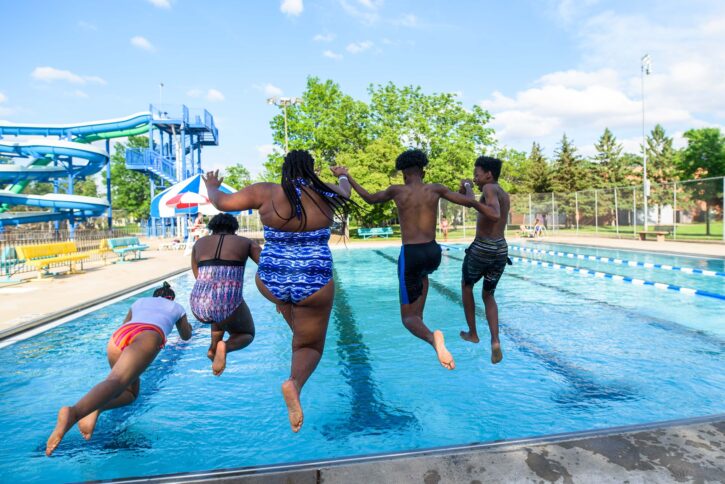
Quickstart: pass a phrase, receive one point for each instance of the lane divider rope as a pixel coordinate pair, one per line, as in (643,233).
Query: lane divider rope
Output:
(611,260)
(617,277)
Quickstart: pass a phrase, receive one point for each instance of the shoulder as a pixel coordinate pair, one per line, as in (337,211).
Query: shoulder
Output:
(438,188)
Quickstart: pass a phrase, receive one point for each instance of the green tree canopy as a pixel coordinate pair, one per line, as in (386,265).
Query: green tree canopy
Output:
(129,189)
(537,178)
(237,176)
(569,172)
(704,155)
(611,167)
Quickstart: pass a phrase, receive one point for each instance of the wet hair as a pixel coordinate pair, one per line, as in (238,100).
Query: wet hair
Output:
(299,169)
(165,291)
(411,159)
(223,223)
(488,163)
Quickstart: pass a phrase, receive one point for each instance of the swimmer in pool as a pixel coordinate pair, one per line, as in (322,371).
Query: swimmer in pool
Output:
(130,350)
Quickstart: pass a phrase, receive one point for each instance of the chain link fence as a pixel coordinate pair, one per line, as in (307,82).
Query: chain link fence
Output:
(684,210)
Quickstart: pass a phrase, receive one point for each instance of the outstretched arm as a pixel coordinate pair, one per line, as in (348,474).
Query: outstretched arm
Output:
(254,251)
(249,197)
(184,328)
(343,186)
(379,197)
(468,200)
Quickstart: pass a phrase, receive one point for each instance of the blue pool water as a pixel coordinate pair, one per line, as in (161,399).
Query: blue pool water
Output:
(579,353)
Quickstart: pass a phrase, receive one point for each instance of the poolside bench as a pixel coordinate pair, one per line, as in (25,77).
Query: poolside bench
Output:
(41,256)
(660,234)
(127,245)
(103,250)
(366,233)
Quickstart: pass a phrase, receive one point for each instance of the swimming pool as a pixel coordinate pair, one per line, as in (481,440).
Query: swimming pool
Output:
(579,353)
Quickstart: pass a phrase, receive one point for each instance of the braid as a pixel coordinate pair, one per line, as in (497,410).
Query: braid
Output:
(165,291)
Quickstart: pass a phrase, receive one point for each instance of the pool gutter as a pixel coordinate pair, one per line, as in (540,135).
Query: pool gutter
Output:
(26,326)
(687,449)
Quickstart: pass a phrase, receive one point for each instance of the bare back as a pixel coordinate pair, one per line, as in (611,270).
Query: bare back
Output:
(487,228)
(275,209)
(417,211)
(233,248)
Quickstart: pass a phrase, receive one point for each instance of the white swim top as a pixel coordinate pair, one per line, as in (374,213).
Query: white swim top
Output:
(159,311)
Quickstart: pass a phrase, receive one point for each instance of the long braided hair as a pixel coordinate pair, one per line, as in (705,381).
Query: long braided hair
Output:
(298,173)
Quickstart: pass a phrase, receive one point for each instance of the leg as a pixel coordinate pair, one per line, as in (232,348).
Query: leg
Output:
(469,308)
(217,334)
(492,317)
(309,320)
(412,317)
(240,326)
(132,362)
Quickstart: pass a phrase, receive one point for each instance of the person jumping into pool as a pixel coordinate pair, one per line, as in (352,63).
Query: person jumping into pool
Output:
(420,255)
(130,350)
(295,266)
(217,262)
(487,255)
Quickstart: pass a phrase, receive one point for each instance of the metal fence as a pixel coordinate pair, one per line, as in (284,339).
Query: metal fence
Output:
(88,241)
(685,210)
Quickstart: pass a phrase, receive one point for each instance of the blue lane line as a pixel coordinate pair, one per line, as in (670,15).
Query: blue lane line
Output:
(610,260)
(616,277)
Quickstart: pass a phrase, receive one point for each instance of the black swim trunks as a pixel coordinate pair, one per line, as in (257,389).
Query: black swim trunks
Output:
(485,258)
(415,262)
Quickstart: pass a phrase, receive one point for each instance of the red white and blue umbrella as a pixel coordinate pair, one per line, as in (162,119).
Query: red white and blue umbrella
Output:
(186,197)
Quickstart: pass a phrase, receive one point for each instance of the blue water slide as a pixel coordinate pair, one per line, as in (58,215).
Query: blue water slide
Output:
(76,129)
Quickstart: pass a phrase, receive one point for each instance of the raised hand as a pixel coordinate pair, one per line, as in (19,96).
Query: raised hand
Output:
(339,171)
(212,180)
(463,188)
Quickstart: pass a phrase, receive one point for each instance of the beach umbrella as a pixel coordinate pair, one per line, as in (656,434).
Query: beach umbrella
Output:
(186,197)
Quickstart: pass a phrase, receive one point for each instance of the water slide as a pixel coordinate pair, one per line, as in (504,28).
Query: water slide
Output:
(39,154)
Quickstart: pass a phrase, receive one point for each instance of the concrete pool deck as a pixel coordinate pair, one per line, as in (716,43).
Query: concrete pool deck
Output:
(691,450)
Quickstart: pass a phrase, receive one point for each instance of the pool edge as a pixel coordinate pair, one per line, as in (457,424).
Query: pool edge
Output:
(49,318)
(311,471)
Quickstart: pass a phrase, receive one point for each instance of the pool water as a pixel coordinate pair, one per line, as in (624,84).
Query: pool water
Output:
(579,353)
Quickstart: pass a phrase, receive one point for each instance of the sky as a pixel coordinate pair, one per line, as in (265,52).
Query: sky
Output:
(542,68)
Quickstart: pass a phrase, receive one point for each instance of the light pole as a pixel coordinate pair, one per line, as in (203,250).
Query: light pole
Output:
(646,65)
(161,93)
(283,102)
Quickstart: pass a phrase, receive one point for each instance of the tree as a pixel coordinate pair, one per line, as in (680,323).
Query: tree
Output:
(661,168)
(569,175)
(130,189)
(611,167)
(704,156)
(537,178)
(237,176)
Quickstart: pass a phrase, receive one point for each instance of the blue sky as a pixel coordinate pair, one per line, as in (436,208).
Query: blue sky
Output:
(542,68)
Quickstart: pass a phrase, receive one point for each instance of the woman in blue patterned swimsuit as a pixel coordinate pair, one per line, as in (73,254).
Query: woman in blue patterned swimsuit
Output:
(217,262)
(295,267)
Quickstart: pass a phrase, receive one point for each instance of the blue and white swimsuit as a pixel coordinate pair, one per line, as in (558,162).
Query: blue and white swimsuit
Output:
(295,265)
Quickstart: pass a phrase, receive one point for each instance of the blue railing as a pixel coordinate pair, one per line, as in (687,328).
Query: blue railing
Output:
(147,160)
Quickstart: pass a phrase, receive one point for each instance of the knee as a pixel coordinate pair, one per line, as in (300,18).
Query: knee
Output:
(118,383)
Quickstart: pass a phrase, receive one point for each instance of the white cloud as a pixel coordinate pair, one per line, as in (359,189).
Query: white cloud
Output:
(271,90)
(324,37)
(3,97)
(266,150)
(366,11)
(357,47)
(160,3)
(332,55)
(214,95)
(195,93)
(291,7)
(51,74)
(78,93)
(87,25)
(142,43)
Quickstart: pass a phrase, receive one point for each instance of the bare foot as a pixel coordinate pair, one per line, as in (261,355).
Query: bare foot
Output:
(220,359)
(66,419)
(88,424)
(496,353)
(443,355)
(291,395)
(466,335)
(210,354)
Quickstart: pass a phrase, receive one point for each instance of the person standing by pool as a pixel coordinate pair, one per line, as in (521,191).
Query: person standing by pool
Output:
(295,266)
(444,228)
(487,255)
(130,350)
(420,255)
(217,262)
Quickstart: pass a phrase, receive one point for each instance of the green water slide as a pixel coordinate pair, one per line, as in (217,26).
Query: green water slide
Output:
(88,138)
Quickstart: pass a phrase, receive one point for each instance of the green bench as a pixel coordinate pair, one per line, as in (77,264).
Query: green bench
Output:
(127,245)
(366,233)
(8,260)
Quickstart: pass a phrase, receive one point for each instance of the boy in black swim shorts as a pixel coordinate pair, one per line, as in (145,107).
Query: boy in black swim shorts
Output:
(420,255)
(487,256)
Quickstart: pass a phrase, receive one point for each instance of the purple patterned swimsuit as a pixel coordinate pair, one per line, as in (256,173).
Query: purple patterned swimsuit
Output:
(217,292)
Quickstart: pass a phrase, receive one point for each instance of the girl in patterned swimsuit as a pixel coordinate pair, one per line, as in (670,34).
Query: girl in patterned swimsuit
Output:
(217,261)
(295,267)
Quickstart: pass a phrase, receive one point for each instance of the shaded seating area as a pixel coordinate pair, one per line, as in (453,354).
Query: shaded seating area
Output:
(127,245)
(42,256)
(366,233)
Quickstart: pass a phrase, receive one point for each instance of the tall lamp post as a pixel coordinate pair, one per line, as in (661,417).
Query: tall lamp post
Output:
(646,66)
(283,102)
